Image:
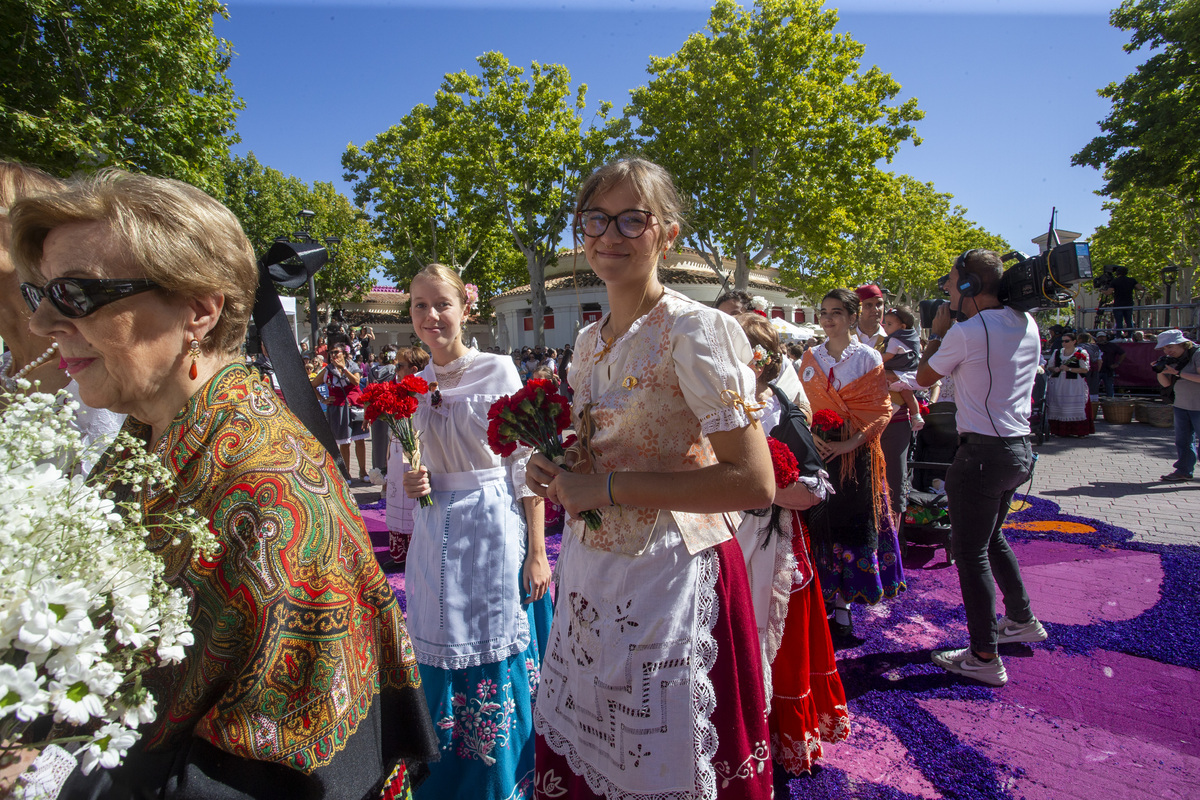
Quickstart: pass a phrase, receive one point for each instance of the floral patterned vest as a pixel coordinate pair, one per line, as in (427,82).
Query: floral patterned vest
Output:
(643,424)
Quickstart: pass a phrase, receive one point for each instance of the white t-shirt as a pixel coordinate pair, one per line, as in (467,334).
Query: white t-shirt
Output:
(993,358)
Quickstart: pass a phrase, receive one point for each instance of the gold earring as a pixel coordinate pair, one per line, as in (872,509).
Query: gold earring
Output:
(194,352)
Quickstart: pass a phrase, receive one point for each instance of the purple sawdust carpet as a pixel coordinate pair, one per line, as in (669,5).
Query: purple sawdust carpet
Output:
(1109,706)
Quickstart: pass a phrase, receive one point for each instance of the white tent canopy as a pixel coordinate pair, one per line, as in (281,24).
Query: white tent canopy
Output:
(787,330)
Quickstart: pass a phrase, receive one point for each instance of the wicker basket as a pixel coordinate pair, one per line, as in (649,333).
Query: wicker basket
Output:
(1118,411)
(1156,414)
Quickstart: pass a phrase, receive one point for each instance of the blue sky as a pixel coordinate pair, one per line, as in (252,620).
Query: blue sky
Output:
(1008,86)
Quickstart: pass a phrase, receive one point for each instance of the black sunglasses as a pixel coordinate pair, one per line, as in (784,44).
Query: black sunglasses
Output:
(631,223)
(78,297)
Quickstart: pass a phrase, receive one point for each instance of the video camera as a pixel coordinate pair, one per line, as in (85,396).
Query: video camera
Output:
(1034,282)
(1043,281)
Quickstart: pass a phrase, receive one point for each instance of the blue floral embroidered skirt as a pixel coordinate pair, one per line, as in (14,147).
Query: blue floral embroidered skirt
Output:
(484,720)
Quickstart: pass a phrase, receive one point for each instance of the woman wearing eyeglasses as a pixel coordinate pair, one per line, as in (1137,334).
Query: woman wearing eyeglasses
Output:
(652,681)
(1067,404)
(301,681)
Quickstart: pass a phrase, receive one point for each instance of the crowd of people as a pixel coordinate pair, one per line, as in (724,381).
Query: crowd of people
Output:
(688,650)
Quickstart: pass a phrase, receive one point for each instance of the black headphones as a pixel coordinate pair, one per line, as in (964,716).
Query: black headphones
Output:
(969,284)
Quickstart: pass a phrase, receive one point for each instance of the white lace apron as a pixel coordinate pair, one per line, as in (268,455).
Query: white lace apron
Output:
(625,695)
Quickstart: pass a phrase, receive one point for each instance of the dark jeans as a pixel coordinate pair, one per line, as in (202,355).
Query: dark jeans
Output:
(1187,427)
(1126,314)
(894,443)
(979,486)
(1107,382)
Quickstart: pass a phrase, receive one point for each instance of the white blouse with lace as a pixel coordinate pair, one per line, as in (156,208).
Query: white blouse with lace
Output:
(857,360)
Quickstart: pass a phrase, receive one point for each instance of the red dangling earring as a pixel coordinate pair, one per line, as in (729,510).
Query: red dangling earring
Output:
(194,352)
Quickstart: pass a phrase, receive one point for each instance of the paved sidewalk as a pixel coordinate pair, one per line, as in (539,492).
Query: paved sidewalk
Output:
(1113,476)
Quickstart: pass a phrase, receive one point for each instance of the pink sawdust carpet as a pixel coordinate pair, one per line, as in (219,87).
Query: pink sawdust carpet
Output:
(1109,706)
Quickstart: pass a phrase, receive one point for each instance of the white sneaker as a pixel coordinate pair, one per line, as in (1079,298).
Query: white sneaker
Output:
(1010,632)
(964,662)
(918,422)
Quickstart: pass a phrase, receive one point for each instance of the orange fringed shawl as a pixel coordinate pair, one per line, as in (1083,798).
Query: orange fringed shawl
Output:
(863,404)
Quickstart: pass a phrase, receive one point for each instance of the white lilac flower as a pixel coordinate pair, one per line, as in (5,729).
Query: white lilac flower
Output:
(21,692)
(107,747)
(376,476)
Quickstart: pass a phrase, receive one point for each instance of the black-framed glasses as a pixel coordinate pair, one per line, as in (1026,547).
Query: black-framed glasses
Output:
(631,223)
(78,297)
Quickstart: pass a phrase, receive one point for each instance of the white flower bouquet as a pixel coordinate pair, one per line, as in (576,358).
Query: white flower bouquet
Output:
(84,606)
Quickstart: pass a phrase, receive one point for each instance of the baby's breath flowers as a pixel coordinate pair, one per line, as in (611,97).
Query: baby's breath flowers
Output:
(84,606)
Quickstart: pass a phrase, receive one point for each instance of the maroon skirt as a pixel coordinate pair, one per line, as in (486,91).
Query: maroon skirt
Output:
(742,760)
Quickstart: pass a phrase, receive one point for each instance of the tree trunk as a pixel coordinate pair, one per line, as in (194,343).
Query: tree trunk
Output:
(537,290)
(741,273)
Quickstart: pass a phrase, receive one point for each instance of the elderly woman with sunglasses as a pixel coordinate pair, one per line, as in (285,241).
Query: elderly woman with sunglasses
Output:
(302,680)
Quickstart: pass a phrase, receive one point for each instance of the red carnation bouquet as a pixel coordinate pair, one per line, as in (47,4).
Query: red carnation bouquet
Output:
(787,468)
(394,402)
(535,416)
(827,424)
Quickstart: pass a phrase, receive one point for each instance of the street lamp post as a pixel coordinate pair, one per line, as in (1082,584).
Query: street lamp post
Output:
(1168,274)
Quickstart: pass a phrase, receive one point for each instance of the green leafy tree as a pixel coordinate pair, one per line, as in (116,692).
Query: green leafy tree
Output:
(770,128)
(1149,137)
(263,199)
(267,203)
(1147,230)
(138,84)
(417,181)
(347,276)
(907,237)
(526,152)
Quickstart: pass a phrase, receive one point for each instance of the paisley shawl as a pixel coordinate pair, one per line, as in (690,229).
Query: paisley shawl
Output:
(298,637)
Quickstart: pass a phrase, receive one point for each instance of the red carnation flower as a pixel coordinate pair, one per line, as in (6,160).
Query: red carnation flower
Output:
(787,468)
(535,416)
(395,402)
(827,424)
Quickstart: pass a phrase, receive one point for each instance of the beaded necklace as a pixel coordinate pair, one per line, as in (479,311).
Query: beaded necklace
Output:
(10,383)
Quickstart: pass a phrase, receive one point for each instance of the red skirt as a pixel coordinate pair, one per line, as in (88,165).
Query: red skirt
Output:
(1081,427)
(742,760)
(808,704)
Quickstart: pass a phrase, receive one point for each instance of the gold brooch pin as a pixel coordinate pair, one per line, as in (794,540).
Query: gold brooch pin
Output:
(629,382)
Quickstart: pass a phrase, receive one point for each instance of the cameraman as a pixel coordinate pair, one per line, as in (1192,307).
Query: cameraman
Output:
(1184,373)
(992,355)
